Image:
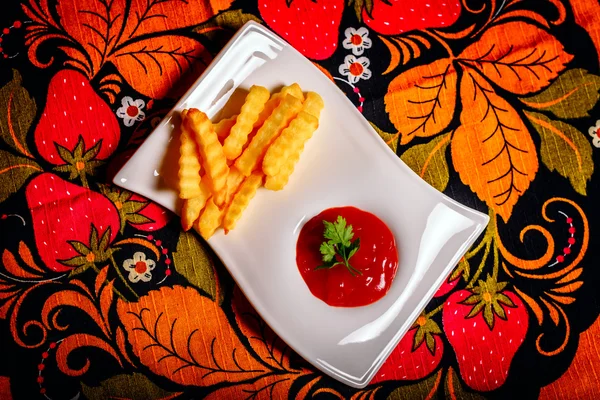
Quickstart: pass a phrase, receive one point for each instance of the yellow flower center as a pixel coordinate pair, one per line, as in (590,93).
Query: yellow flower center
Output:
(421,320)
(90,257)
(80,165)
(487,297)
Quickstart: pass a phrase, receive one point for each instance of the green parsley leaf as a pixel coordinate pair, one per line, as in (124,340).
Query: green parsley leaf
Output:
(339,242)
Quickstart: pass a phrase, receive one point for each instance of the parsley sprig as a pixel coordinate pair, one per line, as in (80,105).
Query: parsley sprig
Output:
(338,247)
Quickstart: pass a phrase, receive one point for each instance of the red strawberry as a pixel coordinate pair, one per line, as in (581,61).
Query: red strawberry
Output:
(417,355)
(462,269)
(447,287)
(311,26)
(157,215)
(63,212)
(486,328)
(392,17)
(73,111)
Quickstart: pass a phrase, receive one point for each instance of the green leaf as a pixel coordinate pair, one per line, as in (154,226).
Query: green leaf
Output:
(462,268)
(193,262)
(475,310)
(94,238)
(91,153)
(342,233)
(80,270)
(78,150)
(572,95)
(105,239)
(564,149)
(419,337)
(79,247)
(391,139)
(454,389)
(137,219)
(424,389)
(499,310)
(14,171)
(472,299)
(429,161)
(504,299)
(430,342)
(133,387)
(353,248)
(133,207)
(65,154)
(234,19)
(17,112)
(74,262)
(328,251)
(488,315)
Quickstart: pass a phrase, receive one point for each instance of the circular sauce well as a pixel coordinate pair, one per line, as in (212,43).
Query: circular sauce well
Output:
(377,259)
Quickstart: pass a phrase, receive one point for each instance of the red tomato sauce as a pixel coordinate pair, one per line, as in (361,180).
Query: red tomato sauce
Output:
(377,259)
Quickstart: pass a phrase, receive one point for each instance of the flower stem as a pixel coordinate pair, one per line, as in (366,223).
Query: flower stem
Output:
(120,274)
(481,265)
(115,290)
(434,311)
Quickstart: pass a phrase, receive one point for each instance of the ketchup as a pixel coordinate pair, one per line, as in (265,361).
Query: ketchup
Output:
(376,259)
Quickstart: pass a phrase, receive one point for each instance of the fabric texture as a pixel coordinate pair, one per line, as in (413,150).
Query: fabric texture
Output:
(493,102)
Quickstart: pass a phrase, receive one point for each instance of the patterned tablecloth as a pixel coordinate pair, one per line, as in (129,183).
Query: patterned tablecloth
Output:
(493,102)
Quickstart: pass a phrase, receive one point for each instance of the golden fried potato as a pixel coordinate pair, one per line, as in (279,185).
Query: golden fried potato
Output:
(189,164)
(293,89)
(281,117)
(313,104)
(223,127)
(291,139)
(253,105)
(234,179)
(209,220)
(211,151)
(279,181)
(190,211)
(241,200)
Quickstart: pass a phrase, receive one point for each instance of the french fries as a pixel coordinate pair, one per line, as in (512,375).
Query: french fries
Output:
(189,165)
(254,104)
(209,220)
(241,200)
(291,139)
(281,117)
(237,155)
(211,151)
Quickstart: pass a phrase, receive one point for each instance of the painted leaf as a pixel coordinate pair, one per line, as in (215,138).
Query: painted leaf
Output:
(518,57)
(425,389)
(429,161)
(421,101)
(17,111)
(132,387)
(269,387)
(185,337)
(263,340)
(164,15)
(193,262)
(564,149)
(232,20)
(95,25)
(572,95)
(14,171)
(492,150)
(161,65)
(391,139)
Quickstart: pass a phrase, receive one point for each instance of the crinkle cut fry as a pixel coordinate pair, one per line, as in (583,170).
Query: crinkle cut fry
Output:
(245,193)
(189,163)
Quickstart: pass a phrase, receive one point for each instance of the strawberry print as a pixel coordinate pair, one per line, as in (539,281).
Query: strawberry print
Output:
(461,270)
(393,17)
(485,327)
(417,355)
(156,216)
(447,287)
(311,26)
(74,112)
(67,220)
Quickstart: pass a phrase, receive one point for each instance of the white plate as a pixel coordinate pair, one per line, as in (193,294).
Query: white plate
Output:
(345,163)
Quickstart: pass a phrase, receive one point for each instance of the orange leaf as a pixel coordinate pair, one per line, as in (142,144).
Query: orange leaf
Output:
(78,341)
(27,257)
(263,340)
(492,150)
(266,388)
(5,388)
(421,101)
(153,66)
(518,57)
(149,16)
(100,279)
(12,266)
(95,25)
(186,337)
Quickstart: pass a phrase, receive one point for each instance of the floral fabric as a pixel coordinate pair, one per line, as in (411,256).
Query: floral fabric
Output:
(494,103)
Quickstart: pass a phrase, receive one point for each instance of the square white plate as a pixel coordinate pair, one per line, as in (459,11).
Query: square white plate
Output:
(345,163)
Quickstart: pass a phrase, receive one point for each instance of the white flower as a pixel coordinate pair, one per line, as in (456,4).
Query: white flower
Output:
(594,132)
(131,110)
(139,267)
(357,40)
(355,68)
